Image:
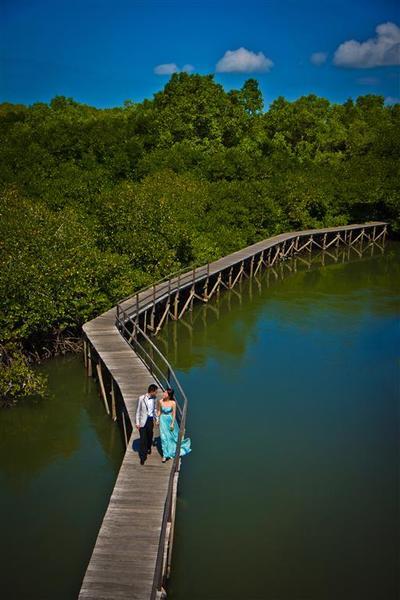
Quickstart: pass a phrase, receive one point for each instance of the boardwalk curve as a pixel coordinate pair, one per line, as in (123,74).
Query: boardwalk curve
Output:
(132,555)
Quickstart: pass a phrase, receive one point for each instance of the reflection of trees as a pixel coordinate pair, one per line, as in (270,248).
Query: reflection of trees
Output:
(35,434)
(108,433)
(294,291)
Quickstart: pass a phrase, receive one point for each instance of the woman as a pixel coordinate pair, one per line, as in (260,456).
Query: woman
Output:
(169,430)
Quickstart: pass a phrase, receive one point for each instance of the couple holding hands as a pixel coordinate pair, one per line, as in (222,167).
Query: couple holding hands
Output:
(148,412)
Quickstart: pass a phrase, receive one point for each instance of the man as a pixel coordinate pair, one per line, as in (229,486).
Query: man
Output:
(145,416)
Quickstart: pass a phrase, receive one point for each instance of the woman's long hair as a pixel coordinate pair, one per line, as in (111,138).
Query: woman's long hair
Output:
(171,393)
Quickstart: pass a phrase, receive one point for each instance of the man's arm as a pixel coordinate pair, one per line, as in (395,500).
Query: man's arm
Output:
(139,404)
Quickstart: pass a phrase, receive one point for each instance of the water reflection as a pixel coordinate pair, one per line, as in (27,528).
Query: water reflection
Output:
(292,489)
(59,459)
(299,287)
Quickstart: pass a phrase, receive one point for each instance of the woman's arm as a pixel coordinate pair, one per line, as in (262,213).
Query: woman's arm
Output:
(173,415)
(158,407)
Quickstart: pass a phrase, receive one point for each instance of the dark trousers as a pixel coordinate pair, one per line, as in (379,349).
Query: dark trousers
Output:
(146,437)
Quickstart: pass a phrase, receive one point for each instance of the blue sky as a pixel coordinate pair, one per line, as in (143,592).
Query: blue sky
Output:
(103,52)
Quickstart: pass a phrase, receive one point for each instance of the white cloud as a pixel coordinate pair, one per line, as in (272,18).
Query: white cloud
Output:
(392,100)
(382,50)
(169,68)
(166,69)
(243,61)
(318,58)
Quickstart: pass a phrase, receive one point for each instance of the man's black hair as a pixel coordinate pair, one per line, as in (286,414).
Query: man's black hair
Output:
(152,388)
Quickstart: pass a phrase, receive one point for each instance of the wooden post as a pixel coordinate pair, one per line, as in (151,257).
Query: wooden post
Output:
(90,366)
(230,278)
(124,428)
(251,266)
(311,242)
(176,300)
(169,298)
(205,289)
(362,237)
(103,391)
(260,262)
(165,314)
(153,309)
(113,404)
(215,286)
(193,289)
(176,305)
(239,275)
(289,251)
(372,248)
(188,301)
(324,241)
(85,353)
(277,253)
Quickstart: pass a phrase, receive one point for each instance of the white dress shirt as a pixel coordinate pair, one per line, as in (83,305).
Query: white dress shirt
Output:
(146,407)
(150,404)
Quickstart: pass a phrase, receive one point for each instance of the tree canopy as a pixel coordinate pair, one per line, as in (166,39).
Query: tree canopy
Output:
(95,203)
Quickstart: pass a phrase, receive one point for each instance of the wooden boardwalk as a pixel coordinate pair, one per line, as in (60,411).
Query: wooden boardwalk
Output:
(316,238)
(123,560)
(131,557)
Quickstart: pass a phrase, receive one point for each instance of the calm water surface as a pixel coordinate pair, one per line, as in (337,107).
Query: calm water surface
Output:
(292,489)
(58,462)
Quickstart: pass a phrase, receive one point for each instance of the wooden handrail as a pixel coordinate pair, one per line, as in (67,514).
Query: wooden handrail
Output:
(133,341)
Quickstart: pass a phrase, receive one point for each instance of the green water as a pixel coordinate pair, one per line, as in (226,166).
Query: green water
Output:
(292,489)
(58,463)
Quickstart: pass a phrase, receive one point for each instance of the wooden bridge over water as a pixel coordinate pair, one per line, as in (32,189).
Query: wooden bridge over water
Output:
(132,555)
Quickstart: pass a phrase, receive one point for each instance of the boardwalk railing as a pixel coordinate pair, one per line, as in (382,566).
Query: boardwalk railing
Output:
(172,296)
(164,374)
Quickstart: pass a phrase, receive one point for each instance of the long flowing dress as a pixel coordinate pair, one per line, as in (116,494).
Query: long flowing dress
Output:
(169,438)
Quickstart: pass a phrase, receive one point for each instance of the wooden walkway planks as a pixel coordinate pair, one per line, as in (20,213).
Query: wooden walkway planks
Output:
(123,560)
(124,557)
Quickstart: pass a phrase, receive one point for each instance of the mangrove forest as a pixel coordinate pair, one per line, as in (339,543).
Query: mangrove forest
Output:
(97,203)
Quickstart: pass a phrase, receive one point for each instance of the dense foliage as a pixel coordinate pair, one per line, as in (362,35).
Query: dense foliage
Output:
(17,379)
(96,203)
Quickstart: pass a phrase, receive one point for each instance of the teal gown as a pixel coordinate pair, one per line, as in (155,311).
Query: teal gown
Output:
(169,438)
